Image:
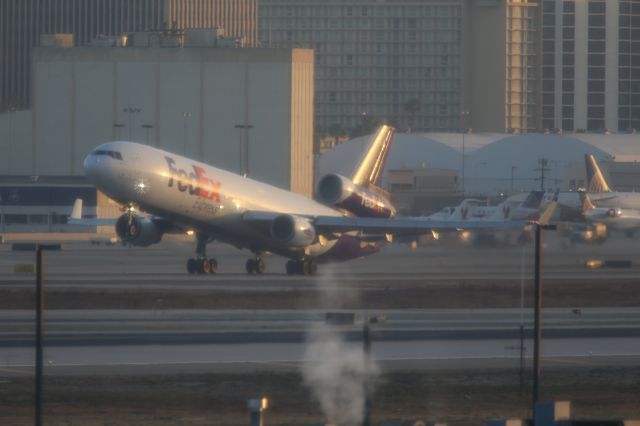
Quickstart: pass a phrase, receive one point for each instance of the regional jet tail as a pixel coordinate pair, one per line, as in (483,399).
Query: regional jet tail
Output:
(180,194)
(602,195)
(595,178)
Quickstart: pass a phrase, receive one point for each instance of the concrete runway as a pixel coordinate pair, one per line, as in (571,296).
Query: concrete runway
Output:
(95,342)
(163,266)
(143,342)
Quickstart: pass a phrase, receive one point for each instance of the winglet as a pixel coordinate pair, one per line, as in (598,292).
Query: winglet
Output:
(595,178)
(369,170)
(76,213)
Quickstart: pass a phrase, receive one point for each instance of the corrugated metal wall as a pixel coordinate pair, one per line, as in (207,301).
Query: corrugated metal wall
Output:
(23,21)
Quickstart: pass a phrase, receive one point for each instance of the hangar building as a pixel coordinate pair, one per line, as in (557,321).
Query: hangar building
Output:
(494,164)
(244,110)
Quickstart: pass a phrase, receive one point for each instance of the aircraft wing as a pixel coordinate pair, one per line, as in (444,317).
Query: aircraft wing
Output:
(407,226)
(77,219)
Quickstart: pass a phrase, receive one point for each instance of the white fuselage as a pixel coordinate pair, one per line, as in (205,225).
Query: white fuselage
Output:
(571,200)
(195,195)
(614,218)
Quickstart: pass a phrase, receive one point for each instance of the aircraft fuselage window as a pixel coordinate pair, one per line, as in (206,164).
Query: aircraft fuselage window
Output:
(113,154)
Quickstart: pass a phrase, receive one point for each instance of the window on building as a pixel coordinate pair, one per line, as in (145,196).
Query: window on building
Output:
(597,7)
(596,73)
(567,99)
(596,99)
(568,33)
(568,6)
(15,219)
(595,85)
(568,72)
(38,219)
(596,60)
(596,20)
(568,20)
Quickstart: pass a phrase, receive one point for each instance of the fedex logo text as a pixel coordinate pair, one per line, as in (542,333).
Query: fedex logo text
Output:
(196,182)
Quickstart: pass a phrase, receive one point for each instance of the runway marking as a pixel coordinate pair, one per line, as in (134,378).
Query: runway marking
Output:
(17,370)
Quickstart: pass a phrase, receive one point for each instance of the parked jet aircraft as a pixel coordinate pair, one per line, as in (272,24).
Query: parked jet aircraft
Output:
(181,194)
(614,218)
(599,192)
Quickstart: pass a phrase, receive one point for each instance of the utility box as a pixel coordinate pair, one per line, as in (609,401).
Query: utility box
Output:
(548,413)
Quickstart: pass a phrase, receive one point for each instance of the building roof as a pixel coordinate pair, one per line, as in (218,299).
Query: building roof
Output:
(489,157)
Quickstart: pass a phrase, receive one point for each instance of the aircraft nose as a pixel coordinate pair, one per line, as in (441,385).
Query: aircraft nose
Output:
(97,168)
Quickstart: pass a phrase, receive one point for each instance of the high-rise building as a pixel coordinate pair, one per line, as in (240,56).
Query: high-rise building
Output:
(428,65)
(396,60)
(501,65)
(22,22)
(591,65)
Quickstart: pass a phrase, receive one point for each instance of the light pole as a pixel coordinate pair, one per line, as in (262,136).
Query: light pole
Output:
(130,110)
(185,116)
(366,348)
(463,118)
(117,127)
(513,168)
(147,128)
(243,151)
(537,315)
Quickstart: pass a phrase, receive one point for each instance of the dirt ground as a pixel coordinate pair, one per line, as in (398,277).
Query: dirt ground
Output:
(455,397)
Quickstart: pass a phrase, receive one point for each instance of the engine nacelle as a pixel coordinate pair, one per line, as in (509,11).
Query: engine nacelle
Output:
(341,192)
(613,213)
(138,231)
(293,230)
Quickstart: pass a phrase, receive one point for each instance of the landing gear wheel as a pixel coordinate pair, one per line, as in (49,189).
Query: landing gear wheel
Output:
(205,266)
(311,267)
(255,266)
(192,266)
(308,267)
(260,266)
(213,266)
(302,267)
(250,266)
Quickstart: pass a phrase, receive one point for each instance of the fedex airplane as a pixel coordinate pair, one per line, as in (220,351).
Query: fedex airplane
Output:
(352,218)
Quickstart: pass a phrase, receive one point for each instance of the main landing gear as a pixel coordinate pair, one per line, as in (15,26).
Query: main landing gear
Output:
(201,264)
(302,267)
(255,266)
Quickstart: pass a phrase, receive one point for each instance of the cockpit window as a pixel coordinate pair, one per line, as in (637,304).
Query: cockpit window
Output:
(113,154)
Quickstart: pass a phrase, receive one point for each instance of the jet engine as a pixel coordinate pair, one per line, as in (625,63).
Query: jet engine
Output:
(138,231)
(614,213)
(293,230)
(339,191)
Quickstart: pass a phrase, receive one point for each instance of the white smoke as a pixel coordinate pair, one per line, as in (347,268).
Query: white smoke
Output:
(338,373)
